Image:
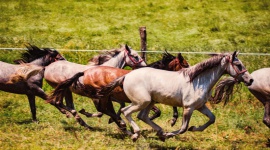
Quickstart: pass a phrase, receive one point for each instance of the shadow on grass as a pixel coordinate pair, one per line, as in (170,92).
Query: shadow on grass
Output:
(72,128)
(119,136)
(27,121)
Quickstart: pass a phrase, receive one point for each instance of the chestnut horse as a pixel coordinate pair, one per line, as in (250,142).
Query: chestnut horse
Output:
(88,82)
(260,88)
(31,86)
(63,70)
(189,88)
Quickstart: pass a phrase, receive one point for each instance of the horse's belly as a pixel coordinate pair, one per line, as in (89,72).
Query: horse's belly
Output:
(168,100)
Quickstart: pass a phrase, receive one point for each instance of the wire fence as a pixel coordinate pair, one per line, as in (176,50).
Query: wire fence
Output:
(148,51)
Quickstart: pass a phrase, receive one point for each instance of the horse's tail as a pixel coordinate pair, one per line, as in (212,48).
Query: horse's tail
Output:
(223,90)
(58,94)
(105,91)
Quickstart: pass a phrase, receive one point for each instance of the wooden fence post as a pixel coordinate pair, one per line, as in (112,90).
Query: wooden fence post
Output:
(143,42)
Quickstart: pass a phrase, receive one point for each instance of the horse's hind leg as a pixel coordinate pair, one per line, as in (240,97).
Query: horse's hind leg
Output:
(175,116)
(69,99)
(143,115)
(204,110)
(32,103)
(127,111)
(185,121)
(105,106)
(156,111)
(87,114)
(75,114)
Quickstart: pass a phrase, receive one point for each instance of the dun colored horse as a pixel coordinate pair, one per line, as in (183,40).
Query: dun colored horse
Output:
(189,88)
(31,85)
(260,88)
(87,83)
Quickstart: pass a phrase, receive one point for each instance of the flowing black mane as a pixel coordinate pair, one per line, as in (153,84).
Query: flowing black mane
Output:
(105,56)
(194,71)
(33,53)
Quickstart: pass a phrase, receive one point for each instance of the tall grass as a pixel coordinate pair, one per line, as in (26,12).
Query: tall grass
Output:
(216,26)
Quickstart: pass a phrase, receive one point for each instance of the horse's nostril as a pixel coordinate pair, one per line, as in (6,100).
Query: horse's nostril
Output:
(251,81)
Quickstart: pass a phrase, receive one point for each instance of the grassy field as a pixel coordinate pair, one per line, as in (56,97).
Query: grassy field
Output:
(204,26)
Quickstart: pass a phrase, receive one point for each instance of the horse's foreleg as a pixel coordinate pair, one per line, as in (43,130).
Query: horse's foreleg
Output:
(156,111)
(204,110)
(266,117)
(122,105)
(76,115)
(185,121)
(87,114)
(175,116)
(32,103)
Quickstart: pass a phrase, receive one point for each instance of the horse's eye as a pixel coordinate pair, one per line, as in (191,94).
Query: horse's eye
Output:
(137,58)
(239,66)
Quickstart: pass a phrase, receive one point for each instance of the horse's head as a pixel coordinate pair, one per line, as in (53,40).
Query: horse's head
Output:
(132,58)
(52,56)
(178,63)
(46,55)
(235,68)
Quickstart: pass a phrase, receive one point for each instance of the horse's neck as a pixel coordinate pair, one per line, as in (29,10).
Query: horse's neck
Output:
(117,61)
(38,62)
(207,79)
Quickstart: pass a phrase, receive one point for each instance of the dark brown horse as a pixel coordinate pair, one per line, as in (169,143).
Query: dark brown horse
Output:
(87,83)
(32,86)
(260,88)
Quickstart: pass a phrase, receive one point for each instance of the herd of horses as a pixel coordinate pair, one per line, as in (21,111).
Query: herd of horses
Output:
(170,81)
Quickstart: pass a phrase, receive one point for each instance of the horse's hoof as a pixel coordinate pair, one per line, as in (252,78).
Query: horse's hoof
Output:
(169,135)
(134,137)
(98,114)
(110,121)
(192,128)
(68,115)
(89,128)
(35,121)
(173,121)
(162,138)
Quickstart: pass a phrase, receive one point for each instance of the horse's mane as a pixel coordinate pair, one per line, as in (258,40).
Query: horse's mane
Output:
(33,53)
(223,90)
(197,69)
(104,56)
(166,58)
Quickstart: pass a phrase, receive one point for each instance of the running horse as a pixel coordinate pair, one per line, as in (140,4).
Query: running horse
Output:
(260,88)
(63,70)
(31,86)
(189,88)
(87,83)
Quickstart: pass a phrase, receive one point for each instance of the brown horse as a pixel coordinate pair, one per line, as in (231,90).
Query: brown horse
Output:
(87,83)
(30,85)
(260,88)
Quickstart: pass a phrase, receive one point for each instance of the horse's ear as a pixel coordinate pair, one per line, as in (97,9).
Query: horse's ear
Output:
(127,48)
(180,57)
(234,55)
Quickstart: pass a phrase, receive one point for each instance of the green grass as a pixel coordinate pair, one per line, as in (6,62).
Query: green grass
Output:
(204,26)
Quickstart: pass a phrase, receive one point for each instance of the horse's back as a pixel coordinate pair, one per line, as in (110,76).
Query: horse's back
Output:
(159,85)
(6,71)
(62,70)
(261,79)
(261,85)
(100,76)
